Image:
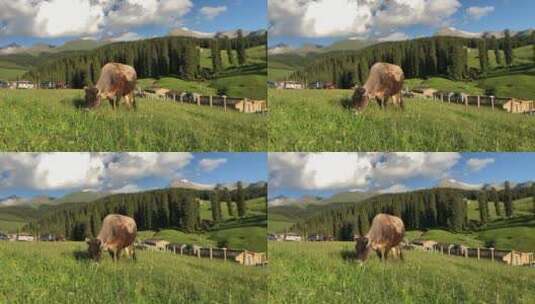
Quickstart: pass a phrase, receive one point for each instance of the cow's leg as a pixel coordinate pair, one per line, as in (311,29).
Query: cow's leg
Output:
(401,254)
(117,100)
(379,102)
(385,253)
(133,99)
(401,105)
(385,101)
(112,102)
(379,254)
(133,250)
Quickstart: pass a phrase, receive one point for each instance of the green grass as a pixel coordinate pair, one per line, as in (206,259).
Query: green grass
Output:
(279,223)
(279,74)
(443,236)
(315,120)
(48,120)
(318,273)
(49,272)
(516,85)
(178,85)
(10,74)
(443,84)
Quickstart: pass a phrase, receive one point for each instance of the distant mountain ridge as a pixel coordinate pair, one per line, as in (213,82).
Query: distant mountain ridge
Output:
(306,49)
(185,32)
(37,201)
(454,32)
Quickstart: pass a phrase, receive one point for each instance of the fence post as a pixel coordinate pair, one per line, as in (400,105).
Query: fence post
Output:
(210,247)
(198,100)
(225,254)
(492,254)
(181,250)
(210,101)
(449,98)
(441,250)
(478,101)
(449,250)
(441,97)
(466,102)
(466,253)
(199,253)
(492,102)
(478,253)
(225,102)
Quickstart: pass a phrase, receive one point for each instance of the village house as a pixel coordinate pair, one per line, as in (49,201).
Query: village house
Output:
(292,237)
(25,237)
(25,84)
(156,244)
(4,84)
(316,237)
(250,258)
(48,237)
(291,85)
(3,237)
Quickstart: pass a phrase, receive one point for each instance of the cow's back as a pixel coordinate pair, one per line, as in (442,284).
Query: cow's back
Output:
(118,231)
(386,230)
(116,80)
(384,80)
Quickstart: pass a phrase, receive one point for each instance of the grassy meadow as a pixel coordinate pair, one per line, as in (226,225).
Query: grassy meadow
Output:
(52,120)
(41,272)
(317,120)
(324,272)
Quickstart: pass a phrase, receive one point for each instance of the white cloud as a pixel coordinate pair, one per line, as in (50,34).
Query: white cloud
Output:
(56,18)
(396,188)
(128,36)
(129,188)
(477,164)
(396,36)
(210,12)
(323,18)
(45,171)
(478,12)
(321,171)
(210,164)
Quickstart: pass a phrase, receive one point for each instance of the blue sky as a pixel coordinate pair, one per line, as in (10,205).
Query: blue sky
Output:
(298,175)
(55,174)
(22,23)
(466,15)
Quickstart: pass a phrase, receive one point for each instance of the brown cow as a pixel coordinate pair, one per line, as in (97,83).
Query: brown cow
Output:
(385,81)
(118,232)
(386,233)
(116,81)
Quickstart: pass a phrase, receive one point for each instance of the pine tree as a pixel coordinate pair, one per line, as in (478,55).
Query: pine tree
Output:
(364,224)
(215,205)
(533,43)
(240,200)
(496,199)
(216,56)
(533,194)
(508,48)
(483,207)
(228,46)
(242,56)
(483,56)
(497,52)
(508,200)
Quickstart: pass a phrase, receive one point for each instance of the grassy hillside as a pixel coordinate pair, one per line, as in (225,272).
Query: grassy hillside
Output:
(39,272)
(10,74)
(323,273)
(248,232)
(311,120)
(443,84)
(247,81)
(46,120)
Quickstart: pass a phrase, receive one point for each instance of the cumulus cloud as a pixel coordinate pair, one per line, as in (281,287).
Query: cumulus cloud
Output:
(478,12)
(477,164)
(210,12)
(210,164)
(396,36)
(323,171)
(56,18)
(323,18)
(46,171)
(128,36)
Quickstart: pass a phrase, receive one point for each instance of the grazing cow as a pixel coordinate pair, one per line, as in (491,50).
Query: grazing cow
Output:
(118,232)
(116,81)
(385,81)
(386,233)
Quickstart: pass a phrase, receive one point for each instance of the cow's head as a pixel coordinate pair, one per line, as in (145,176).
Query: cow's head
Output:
(92,97)
(360,98)
(362,248)
(94,248)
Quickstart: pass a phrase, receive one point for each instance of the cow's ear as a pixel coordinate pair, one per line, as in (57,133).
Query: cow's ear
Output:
(366,240)
(87,240)
(362,90)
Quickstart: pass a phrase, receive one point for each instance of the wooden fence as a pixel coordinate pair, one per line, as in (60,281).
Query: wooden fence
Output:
(244,257)
(508,104)
(244,105)
(510,257)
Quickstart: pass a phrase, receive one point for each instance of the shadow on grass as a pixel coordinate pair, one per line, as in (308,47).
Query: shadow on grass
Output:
(82,256)
(346,103)
(348,255)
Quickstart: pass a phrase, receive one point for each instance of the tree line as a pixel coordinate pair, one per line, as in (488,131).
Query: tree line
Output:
(152,210)
(419,58)
(423,209)
(176,56)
